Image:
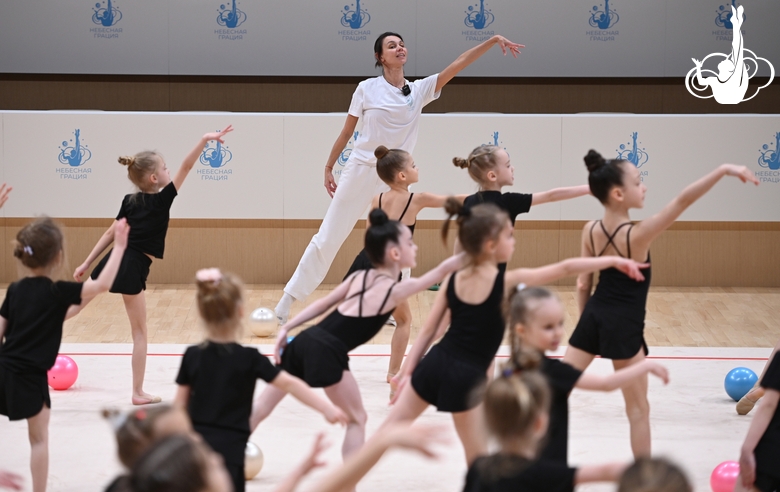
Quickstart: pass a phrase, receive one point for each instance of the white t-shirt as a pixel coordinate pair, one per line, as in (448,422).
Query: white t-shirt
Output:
(389,118)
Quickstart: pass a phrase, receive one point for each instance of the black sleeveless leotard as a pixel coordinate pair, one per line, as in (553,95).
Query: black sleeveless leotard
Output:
(361,261)
(613,321)
(452,374)
(318,355)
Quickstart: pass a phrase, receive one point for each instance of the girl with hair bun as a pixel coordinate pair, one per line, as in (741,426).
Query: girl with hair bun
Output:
(390,107)
(612,320)
(217,377)
(396,168)
(490,167)
(147,212)
(452,373)
(535,317)
(363,302)
(31,319)
(517,415)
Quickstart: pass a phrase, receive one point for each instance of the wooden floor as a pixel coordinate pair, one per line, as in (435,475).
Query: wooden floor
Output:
(686,317)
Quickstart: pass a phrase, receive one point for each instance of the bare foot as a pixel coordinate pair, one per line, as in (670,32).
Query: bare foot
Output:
(145,399)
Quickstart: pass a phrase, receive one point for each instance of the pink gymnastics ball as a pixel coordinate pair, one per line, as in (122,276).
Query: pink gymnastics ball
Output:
(63,373)
(724,476)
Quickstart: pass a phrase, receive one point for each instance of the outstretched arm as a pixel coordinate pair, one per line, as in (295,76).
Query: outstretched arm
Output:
(192,157)
(470,56)
(647,230)
(429,200)
(618,379)
(414,285)
(338,147)
(559,194)
(312,461)
(572,266)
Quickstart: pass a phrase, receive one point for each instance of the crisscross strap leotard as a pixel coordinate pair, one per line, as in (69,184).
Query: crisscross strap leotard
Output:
(355,331)
(411,227)
(614,286)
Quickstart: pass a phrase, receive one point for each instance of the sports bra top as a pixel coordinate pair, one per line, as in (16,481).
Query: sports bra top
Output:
(615,287)
(476,330)
(411,227)
(354,331)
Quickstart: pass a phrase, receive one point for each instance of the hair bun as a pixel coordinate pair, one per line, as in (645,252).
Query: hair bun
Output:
(460,162)
(594,161)
(126,160)
(378,217)
(381,151)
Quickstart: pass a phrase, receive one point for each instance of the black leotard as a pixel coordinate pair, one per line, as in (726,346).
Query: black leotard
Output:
(612,323)
(451,375)
(318,355)
(361,261)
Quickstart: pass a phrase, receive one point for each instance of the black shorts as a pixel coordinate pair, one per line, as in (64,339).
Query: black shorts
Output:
(132,275)
(766,483)
(612,335)
(231,445)
(317,357)
(448,382)
(23,395)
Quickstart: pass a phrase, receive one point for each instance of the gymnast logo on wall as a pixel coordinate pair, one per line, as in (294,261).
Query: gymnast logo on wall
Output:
(495,140)
(633,153)
(344,156)
(106,15)
(729,84)
(215,158)
(603,18)
(354,18)
(229,18)
(478,18)
(74,154)
(769,159)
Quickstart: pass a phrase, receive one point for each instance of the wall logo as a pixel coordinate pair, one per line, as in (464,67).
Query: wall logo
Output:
(230,17)
(106,15)
(496,140)
(344,156)
(478,17)
(354,17)
(634,154)
(769,159)
(215,159)
(604,20)
(730,83)
(724,14)
(74,154)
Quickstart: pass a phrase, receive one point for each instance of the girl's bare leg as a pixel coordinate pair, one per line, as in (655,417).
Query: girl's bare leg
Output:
(471,432)
(346,395)
(38,432)
(637,407)
(135,306)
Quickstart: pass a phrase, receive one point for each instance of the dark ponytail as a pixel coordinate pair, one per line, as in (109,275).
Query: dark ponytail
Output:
(381,232)
(603,174)
(475,224)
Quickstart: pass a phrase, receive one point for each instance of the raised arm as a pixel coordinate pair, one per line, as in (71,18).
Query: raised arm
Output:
(572,266)
(620,378)
(107,276)
(338,148)
(303,393)
(470,56)
(585,280)
(104,242)
(647,230)
(559,194)
(414,285)
(192,157)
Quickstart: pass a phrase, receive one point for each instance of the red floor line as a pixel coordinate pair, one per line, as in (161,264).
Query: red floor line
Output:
(388,355)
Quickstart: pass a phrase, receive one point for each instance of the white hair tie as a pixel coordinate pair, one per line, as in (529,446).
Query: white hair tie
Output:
(28,250)
(521,286)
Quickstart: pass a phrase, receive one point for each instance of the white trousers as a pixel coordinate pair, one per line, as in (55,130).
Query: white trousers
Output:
(357,186)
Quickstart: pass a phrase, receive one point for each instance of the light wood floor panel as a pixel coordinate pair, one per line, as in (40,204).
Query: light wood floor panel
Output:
(696,316)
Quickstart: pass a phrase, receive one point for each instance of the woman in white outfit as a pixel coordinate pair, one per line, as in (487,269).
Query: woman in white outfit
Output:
(390,107)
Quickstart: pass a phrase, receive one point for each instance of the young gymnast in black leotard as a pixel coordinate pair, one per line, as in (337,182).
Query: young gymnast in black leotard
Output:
(397,169)
(319,355)
(453,370)
(612,319)
(536,324)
